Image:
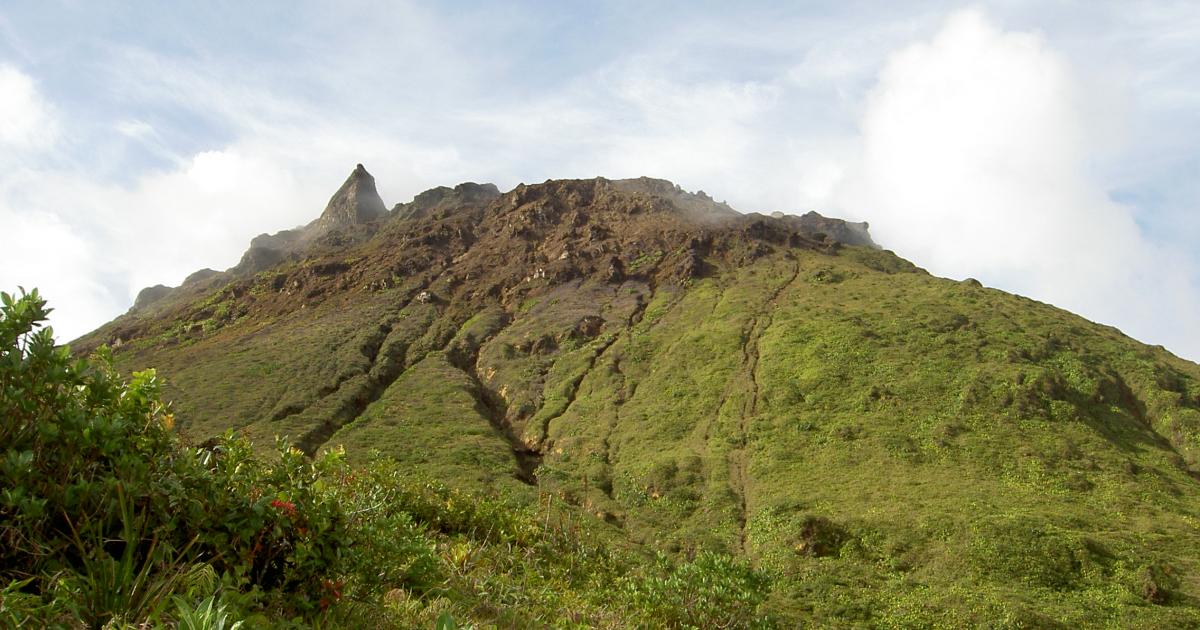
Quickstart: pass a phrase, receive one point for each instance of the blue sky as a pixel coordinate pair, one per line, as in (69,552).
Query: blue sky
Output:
(1045,148)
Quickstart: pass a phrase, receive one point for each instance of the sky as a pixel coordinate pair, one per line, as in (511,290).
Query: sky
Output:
(1045,148)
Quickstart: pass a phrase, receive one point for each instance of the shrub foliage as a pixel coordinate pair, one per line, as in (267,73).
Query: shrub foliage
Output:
(108,520)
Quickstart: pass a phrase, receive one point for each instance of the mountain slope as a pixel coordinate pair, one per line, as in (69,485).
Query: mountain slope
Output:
(900,449)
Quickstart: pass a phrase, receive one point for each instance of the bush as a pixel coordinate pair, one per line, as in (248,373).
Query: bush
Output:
(104,514)
(712,591)
(1024,549)
(108,520)
(87,469)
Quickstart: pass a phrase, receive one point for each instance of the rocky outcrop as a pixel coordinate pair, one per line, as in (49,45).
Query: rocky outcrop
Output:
(150,295)
(354,205)
(199,276)
(503,245)
(697,206)
(268,250)
(845,232)
(355,202)
(443,198)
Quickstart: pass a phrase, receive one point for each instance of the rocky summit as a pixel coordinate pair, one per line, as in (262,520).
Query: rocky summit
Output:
(355,202)
(892,448)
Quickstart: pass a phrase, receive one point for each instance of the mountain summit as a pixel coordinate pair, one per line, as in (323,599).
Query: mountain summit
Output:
(355,202)
(902,450)
(351,210)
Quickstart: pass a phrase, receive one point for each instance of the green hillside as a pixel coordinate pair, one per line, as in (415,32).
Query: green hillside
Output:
(885,448)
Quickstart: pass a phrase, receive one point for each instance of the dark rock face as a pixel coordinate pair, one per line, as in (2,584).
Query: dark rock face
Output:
(490,246)
(594,227)
(348,218)
(697,207)
(355,202)
(257,259)
(844,232)
(150,295)
(200,276)
(268,250)
(441,199)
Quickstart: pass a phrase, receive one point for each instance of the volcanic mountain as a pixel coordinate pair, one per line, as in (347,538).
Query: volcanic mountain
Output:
(771,386)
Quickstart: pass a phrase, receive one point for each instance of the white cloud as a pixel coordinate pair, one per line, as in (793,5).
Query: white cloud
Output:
(698,132)
(135,129)
(26,121)
(90,245)
(818,180)
(975,149)
(634,118)
(41,251)
(976,153)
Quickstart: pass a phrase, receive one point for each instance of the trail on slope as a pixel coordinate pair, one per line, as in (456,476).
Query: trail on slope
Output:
(739,457)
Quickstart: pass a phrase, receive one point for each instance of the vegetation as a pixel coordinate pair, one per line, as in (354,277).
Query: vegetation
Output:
(898,450)
(729,413)
(895,449)
(109,521)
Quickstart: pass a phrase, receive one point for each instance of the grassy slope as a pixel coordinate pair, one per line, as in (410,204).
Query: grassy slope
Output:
(906,449)
(961,435)
(256,369)
(897,448)
(430,420)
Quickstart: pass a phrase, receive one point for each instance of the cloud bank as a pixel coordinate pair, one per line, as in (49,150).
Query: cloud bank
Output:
(1046,151)
(975,162)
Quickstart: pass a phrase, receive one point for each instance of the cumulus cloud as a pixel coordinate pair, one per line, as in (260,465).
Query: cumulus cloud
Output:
(974,162)
(26,121)
(63,259)
(91,245)
(972,152)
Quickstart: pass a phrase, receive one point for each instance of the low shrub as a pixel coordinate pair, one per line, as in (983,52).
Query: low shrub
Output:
(104,514)
(108,520)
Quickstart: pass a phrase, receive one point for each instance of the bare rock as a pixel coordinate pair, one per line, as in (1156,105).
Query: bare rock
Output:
(357,201)
(150,295)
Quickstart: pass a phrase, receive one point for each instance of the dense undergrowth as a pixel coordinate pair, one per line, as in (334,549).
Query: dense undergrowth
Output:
(108,520)
(887,450)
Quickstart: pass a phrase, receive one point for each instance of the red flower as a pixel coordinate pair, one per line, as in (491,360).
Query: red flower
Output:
(287,507)
(335,592)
